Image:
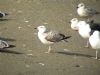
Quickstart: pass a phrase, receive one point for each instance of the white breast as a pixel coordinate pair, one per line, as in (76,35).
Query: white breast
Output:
(42,36)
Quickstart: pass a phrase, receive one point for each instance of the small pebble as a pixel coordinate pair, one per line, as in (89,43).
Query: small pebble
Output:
(66,50)
(42,64)
(19,27)
(30,54)
(19,11)
(26,21)
(45,23)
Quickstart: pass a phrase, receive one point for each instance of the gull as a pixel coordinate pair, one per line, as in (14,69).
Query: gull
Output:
(50,37)
(85,11)
(3,14)
(94,41)
(3,44)
(84,31)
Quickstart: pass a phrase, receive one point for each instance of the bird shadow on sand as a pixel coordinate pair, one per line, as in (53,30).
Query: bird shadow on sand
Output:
(75,54)
(6,50)
(4,19)
(7,39)
(10,51)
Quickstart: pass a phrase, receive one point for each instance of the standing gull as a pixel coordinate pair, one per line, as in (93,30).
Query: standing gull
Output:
(85,11)
(95,41)
(50,37)
(84,31)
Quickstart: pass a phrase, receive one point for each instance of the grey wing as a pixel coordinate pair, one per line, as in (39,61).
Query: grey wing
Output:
(54,36)
(91,11)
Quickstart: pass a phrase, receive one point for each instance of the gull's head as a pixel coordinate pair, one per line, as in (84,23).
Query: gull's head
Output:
(41,28)
(96,33)
(74,23)
(81,5)
(74,20)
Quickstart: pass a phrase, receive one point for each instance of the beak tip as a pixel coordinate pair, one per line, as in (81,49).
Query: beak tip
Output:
(35,28)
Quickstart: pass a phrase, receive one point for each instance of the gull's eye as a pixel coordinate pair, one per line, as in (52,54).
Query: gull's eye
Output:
(81,5)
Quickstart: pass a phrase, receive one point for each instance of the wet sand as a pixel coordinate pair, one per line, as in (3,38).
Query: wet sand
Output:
(27,56)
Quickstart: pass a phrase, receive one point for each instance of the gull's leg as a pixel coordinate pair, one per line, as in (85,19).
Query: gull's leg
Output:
(96,57)
(96,54)
(49,50)
(87,44)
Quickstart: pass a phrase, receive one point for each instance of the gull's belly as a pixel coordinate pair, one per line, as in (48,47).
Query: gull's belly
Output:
(43,40)
(84,34)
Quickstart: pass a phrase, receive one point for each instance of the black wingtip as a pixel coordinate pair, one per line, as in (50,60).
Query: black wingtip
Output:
(11,46)
(67,37)
(97,12)
(77,7)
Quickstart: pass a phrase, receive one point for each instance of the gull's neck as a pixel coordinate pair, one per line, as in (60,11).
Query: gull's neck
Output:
(42,31)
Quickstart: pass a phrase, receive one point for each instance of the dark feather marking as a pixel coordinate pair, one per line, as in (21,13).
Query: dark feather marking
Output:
(54,36)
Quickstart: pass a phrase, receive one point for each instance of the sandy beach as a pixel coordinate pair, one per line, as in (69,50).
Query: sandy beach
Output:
(27,54)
